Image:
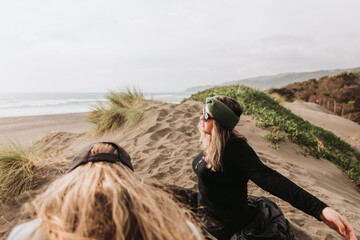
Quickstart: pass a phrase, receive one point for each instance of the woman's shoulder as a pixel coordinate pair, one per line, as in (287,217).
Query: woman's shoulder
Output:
(198,157)
(239,141)
(241,148)
(235,135)
(28,230)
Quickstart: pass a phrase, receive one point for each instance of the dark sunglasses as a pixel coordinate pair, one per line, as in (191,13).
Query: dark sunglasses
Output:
(206,115)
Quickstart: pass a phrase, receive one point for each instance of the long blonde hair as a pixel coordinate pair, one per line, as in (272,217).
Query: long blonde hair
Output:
(107,201)
(214,144)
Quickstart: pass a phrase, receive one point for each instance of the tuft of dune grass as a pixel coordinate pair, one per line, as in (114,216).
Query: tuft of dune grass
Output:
(121,108)
(17,166)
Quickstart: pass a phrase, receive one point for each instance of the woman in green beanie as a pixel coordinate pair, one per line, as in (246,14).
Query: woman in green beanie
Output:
(224,167)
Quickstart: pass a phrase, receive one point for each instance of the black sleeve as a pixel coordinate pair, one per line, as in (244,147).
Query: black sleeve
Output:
(280,186)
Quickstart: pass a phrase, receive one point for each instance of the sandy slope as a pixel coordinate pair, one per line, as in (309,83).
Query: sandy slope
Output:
(347,130)
(166,141)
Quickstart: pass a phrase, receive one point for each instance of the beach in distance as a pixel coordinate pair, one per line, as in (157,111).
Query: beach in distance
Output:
(48,103)
(165,142)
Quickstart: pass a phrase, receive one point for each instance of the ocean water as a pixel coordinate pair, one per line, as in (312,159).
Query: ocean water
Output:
(32,104)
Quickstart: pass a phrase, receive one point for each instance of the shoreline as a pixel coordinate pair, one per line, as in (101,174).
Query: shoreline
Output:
(44,115)
(25,129)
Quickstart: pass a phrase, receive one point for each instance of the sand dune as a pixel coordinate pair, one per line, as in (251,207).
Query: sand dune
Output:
(164,144)
(347,130)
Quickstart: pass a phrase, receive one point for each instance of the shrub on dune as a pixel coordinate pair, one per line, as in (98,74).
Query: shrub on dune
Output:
(121,108)
(17,166)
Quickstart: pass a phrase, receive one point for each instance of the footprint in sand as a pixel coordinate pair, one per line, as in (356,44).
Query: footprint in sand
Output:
(153,129)
(171,120)
(299,222)
(195,120)
(158,161)
(188,115)
(171,124)
(159,134)
(162,114)
(159,175)
(327,236)
(183,129)
(177,116)
(146,151)
(178,112)
(172,136)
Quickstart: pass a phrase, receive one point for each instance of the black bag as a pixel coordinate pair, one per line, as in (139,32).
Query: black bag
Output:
(268,223)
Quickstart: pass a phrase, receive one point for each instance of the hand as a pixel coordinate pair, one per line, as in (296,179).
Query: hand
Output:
(335,221)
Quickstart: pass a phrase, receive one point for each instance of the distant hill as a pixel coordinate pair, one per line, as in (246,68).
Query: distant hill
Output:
(198,88)
(278,80)
(339,94)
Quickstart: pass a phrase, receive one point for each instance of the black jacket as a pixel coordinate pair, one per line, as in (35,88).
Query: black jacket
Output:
(223,195)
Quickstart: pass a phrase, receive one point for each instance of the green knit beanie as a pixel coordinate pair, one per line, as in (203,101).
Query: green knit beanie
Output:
(222,113)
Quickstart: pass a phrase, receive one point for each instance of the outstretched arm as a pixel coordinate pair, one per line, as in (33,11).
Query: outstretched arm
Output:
(335,221)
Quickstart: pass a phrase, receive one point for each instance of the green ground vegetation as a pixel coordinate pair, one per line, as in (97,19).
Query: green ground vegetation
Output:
(275,136)
(313,140)
(121,108)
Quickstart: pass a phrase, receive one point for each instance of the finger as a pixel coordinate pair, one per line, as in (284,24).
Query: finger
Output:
(350,234)
(341,224)
(339,232)
(346,224)
(333,226)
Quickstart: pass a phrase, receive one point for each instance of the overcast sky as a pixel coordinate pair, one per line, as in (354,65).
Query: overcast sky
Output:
(166,45)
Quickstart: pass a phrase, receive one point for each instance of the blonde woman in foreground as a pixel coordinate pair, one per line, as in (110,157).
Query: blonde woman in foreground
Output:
(101,198)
